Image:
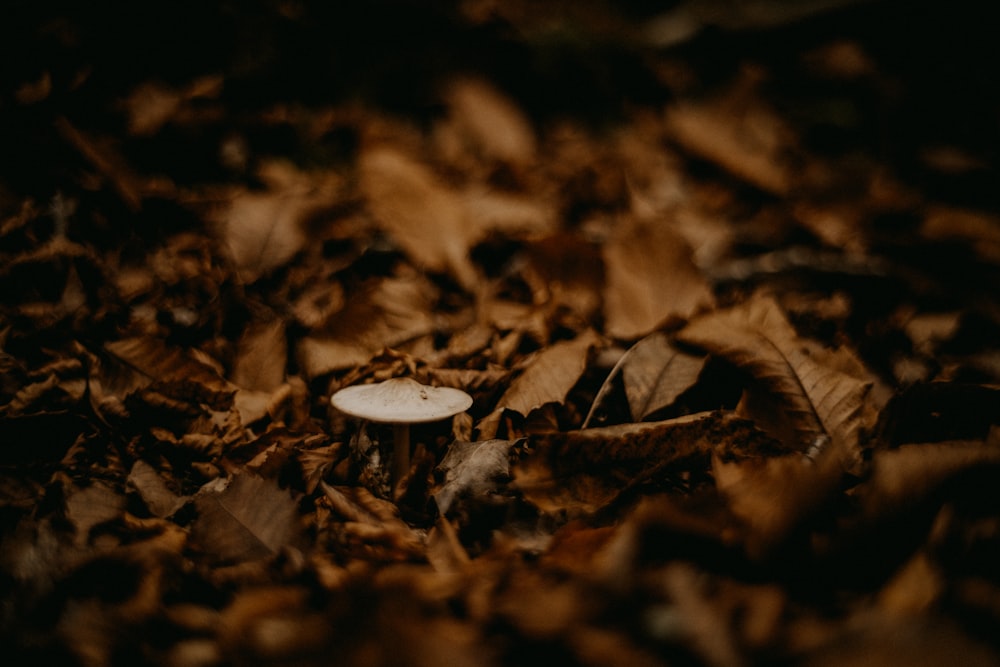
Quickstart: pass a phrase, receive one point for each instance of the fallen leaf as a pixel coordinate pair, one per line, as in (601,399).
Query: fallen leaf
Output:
(489,121)
(817,400)
(472,468)
(364,525)
(261,357)
(739,134)
(655,374)
(92,506)
(774,496)
(159,499)
(547,379)
(582,471)
(382,313)
(426,218)
(250,519)
(651,279)
(265,230)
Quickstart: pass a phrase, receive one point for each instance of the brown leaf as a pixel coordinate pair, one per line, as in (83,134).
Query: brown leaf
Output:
(264,230)
(107,160)
(655,374)
(902,477)
(92,506)
(426,218)
(817,400)
(472,468)
(383,313)
(250,519)
(738,133)
(585,470)
(152,488)
(261,356)
(490,122)
(773,496)
(547,379)
(651,279)
(369,526)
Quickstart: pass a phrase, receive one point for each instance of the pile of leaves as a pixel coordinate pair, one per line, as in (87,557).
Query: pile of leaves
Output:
(736,384)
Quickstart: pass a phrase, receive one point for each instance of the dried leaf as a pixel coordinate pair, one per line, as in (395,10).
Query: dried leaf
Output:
(371,526)
(902,477)
(158,497)
(264,230)
(250,519)
(261,357)
(425,217)
(775,495)
(490,121)
(739,134)
(92,506)
(656,373)
(472,468)
(651,279)
(817,400)
(384,313)
(547,379)
(585,470)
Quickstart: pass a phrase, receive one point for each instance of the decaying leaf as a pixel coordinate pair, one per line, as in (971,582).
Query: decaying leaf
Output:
(384,313)
(739,134)
(774,495)
(651,279)
(261,357)
(426,218)
(585,470)
(656,373)
(264,230)
(158,497)
(370,526)
(547,379)
(249,519)
(92,506)
(490,122)
(472,468)
(817,400)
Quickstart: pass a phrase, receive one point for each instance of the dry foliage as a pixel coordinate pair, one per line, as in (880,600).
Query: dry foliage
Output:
(735,392)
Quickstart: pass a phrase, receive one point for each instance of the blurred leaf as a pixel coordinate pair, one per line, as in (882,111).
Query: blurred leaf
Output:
(250,519)
(382,313)
(426,218)
(651,279)
(261,356)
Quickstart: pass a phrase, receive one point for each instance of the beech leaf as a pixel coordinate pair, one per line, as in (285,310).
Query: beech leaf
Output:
(547,379)
(159,499)
(656,373)
(383,313)
(427,219)
(651,279)
(472,468)
(91,506)
(817,400)
(585,470)
(252,518)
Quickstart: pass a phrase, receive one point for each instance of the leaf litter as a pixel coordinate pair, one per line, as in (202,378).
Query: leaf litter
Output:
(733,361)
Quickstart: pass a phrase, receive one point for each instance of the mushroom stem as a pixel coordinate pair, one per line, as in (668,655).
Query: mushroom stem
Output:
(400,452)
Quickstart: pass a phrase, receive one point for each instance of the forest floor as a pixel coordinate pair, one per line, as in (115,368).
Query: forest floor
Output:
(720,279)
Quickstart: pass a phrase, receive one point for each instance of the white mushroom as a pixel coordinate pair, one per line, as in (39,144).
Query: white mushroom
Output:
(400,402)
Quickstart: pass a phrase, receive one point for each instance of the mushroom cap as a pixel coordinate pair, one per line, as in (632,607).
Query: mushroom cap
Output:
(400,401)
